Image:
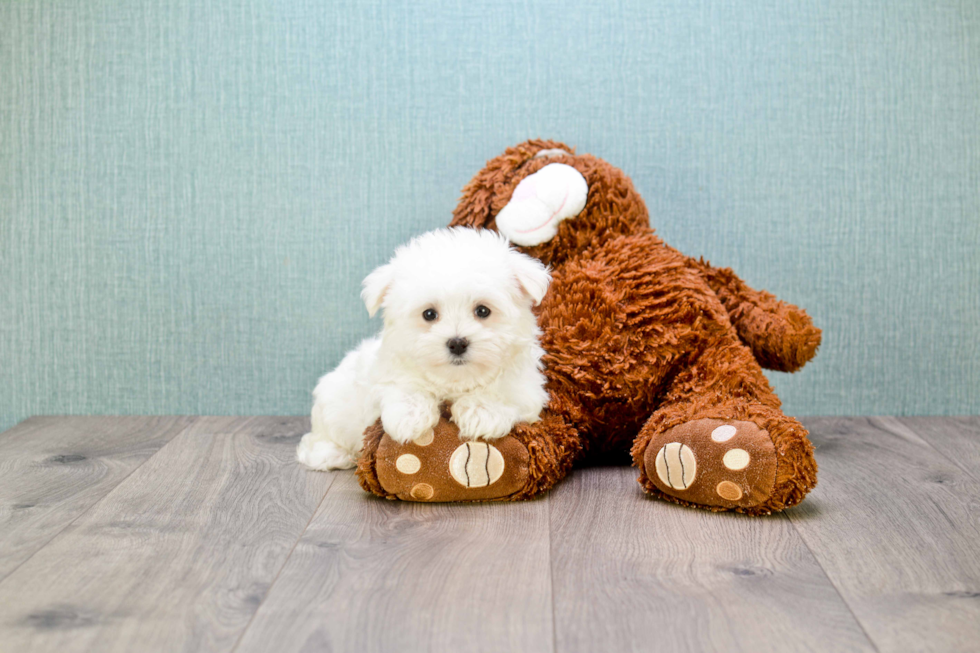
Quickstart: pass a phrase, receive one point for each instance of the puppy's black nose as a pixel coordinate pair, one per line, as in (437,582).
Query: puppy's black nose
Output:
(457,346)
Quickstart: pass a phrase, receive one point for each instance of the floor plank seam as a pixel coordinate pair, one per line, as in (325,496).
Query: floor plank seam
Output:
(830,580)
(551,575)
(942,454)
(333,478)
(105,496)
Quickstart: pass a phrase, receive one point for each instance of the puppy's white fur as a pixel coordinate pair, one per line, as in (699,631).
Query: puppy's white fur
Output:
(406,372)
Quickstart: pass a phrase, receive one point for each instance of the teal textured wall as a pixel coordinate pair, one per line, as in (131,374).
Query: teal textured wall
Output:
(191,191)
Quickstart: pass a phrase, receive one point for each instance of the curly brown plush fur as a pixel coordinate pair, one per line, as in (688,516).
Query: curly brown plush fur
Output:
(641,339)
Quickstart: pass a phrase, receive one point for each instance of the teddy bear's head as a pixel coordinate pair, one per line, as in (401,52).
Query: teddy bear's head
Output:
(550,201)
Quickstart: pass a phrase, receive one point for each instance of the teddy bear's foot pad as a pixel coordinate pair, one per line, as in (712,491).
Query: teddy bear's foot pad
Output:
(440,467)
(711,462)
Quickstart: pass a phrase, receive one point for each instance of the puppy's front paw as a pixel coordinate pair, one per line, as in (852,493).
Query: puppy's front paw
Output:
(409,418)
(317,453)
(487,421)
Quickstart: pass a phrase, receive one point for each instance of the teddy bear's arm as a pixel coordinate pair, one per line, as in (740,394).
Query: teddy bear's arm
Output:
(781,335)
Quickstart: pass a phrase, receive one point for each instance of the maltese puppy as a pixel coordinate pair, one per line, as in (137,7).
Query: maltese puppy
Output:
(458,328)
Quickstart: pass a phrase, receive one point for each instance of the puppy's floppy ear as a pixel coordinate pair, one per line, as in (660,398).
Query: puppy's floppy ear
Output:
(375,286)
(532,276)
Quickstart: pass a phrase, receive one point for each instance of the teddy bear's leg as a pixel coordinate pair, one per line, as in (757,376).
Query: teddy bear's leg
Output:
(781,336)
(720,441)
(520,465)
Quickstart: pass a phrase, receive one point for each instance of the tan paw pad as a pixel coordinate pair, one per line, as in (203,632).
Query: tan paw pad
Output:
(736,459)
(723,433)
(729,491)
(408,464)
(476,464)
(425,439)
(422,491)
(676,465)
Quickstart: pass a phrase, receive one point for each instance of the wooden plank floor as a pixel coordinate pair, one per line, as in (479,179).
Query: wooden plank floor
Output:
(202,534)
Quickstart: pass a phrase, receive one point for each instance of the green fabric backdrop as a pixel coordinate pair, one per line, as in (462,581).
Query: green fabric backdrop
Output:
(192,190)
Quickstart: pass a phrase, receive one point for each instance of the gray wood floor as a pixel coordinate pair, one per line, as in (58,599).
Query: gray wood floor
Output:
(202,534)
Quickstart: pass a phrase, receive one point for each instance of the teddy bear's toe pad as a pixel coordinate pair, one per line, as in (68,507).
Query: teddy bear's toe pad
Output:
(724,463)
(440,467)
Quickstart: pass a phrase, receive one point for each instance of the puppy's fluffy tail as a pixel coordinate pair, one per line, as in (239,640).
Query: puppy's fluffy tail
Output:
(316,452)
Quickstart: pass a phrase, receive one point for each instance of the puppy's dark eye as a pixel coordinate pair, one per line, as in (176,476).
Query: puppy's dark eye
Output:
(482,311)
(429,314)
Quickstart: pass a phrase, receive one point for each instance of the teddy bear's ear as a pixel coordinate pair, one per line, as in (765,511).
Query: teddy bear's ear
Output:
(481,194)
(554,193)
(375,286)
(532,276)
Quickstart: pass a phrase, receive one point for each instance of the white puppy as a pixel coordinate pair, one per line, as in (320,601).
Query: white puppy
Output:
(458,327)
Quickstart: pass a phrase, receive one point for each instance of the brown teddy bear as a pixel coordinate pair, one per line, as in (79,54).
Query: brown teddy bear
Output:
(647,351)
